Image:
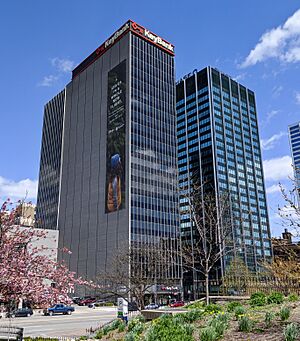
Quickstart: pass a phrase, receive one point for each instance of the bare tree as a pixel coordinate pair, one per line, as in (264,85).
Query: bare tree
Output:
(237,277)
(135,271)
(211,235)
(290,211)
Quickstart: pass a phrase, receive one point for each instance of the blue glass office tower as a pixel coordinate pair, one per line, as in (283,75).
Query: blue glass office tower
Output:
(294,135)
(218,139)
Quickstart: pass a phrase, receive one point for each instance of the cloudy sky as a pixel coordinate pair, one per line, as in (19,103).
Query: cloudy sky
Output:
(42,41)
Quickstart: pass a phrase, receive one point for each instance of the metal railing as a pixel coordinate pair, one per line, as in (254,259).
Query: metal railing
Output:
(11,333)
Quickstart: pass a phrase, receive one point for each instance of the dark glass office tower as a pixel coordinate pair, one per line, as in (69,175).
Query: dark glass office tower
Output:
(50,163)
(218,139)
(118,166)
(294,137)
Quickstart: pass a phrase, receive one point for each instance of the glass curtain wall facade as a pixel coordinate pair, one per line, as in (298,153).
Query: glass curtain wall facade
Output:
(294,136)
(50,163)
(154,202)
(217,134)
(118,181)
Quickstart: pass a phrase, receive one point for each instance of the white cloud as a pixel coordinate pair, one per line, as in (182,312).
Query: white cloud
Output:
(278,168)
(297,96)
(18,189)
(276,91)
(63,65)
(269,116)
(267,144)
(273,189)
(282,42)
(48,80)
(240,77)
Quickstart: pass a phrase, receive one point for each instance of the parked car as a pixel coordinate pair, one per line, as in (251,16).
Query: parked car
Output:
(59,309)
(76,300)
(87,301)
(177,304)
(132,306)
(152,306)
(23,312)
(98,303)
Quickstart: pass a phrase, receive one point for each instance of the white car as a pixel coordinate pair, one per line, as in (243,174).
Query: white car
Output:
(152,306)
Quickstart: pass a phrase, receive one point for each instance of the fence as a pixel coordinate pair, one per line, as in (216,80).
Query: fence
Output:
(11,333)
(236,286)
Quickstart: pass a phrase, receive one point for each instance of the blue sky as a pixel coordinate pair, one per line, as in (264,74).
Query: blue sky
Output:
(41,41)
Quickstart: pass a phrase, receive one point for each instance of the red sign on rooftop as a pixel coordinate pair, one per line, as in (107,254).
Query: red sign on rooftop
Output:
(128,26)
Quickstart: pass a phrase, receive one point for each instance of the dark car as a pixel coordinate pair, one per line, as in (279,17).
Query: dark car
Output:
(76,300)
(22,312)
(132,306)
(177,304)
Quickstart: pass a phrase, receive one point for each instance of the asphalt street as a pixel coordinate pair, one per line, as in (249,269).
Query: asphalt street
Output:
(63,325)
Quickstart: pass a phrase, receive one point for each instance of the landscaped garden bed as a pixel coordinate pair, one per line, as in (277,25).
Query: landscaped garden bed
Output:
(262,318)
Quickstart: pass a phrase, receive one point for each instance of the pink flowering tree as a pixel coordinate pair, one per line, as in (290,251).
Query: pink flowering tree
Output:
(28,272)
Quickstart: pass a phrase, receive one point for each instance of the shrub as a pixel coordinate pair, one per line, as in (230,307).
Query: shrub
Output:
(239,312)
(293,298)
(291,332)
(212,309)
(275,297)
(132,323)
(219,327)
(167,328)
(245,324)
(115,324)
(258,299)
(129,337)
(190,316)
(99,334)
(284,313)
(196,305)
(232,305)
(138,328)
(106,330)
(223,317)
(268,318)
(121,327)
(208,334)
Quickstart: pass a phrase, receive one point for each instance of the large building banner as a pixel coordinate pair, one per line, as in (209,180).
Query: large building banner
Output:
(116,137)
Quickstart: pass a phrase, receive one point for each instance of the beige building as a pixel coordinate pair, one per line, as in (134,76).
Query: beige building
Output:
(25,213)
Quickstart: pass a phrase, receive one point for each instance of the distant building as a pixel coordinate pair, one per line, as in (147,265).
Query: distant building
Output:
(25,214)
(294,137)
(218,140)
(285,248)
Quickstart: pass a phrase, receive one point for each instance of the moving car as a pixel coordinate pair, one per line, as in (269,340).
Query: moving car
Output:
(177,304)
(152,306)
(22,312)
(59,309)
